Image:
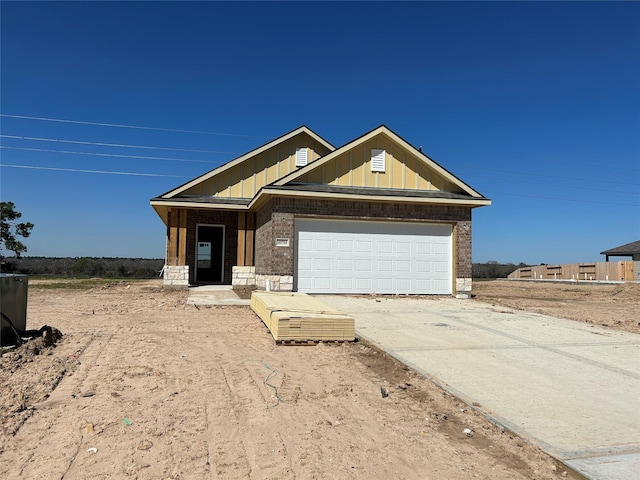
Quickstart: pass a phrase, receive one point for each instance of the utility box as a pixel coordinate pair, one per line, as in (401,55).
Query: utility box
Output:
(13,305)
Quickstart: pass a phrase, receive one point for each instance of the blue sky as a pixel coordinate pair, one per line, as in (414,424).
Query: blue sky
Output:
(535,105)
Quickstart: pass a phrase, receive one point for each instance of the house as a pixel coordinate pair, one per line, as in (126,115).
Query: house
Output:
(627,250)
(298,214)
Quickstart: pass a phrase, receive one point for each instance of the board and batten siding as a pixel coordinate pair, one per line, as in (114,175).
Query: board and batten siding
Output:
(403,170)
(247,178)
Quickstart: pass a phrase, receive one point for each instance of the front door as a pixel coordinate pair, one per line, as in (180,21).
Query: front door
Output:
(210,254)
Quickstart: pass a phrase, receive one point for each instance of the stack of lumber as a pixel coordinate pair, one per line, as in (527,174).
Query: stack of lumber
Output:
(300,317)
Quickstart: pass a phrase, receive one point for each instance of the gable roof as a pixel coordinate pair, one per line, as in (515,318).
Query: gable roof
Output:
(248,181)
(382,129)
(623,250)
(246,156)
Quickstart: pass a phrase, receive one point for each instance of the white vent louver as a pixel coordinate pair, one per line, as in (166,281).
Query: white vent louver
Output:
(377,160)
(301,157)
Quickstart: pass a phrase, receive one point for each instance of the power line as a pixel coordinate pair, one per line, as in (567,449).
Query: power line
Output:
(79,142)
(554,176)
(90,171)
(178,176)
(544,160)
(138,157)
(579,200)
(118,125)
(529,182)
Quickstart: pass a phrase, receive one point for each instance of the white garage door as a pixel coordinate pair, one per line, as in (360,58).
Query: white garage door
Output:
(341,256)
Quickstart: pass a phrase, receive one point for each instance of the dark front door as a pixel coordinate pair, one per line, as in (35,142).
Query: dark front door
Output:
(210,254)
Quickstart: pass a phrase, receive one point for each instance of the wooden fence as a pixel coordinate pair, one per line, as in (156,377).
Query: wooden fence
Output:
(602,271)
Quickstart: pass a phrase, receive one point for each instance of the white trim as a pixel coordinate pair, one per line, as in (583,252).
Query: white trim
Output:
(246,156)
(378,160)
(203,205)
(302,155)
(360,141)
(472,202)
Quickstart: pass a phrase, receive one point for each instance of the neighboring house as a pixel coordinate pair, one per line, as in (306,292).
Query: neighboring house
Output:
(628,250)
(373,216)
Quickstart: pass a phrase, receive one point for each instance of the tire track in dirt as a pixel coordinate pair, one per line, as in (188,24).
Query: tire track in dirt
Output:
(191,384)
(53,414)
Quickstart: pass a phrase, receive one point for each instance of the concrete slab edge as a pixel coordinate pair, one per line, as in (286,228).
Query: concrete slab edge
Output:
(502,424)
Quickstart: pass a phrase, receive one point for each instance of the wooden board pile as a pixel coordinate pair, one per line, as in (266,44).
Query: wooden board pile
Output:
(300,317)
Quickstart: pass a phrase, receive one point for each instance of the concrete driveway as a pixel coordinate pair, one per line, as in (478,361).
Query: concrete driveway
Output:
(571,388)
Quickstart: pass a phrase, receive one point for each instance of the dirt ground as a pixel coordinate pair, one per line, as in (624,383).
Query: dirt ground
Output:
(610,305)
(143,385)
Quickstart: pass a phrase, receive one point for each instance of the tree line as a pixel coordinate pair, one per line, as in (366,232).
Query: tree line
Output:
(107,267)
(493,269)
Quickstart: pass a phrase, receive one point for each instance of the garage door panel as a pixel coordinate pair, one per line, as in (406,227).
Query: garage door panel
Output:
(363,285)
(384,265)
(322,283)
(363,246)
(305,245)
(384,285)
(440,267)
(363,257)
(345,246)
(344,265)
(384,246)
(402,247)
(440,248)
(440,286)
(304,264)
(423,248)
(402,266)
(322,264)
(322,245)
(363,265)
(423,267)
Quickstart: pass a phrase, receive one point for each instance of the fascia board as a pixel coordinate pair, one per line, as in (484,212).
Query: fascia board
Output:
(199,205)
(162,212)
(246,156)
(433,164)
(262,195)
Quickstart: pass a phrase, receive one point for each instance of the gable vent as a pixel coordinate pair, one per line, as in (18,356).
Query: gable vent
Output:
(377,160)
(301,157)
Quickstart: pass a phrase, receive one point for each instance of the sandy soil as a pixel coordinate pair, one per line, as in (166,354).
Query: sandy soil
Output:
(616,306)
(144,386)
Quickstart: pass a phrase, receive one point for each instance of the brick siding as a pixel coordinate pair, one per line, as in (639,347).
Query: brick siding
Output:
(277,220)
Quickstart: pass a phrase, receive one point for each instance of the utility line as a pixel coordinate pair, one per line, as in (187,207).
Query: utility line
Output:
(90,171)
(119,125)
(79,142)
(178,176)
(579,200)
(139,157)
(528,182)
(170,159)
(554,176)
(520,160)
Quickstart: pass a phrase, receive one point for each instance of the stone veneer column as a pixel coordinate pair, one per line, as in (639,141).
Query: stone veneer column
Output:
(175,276)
